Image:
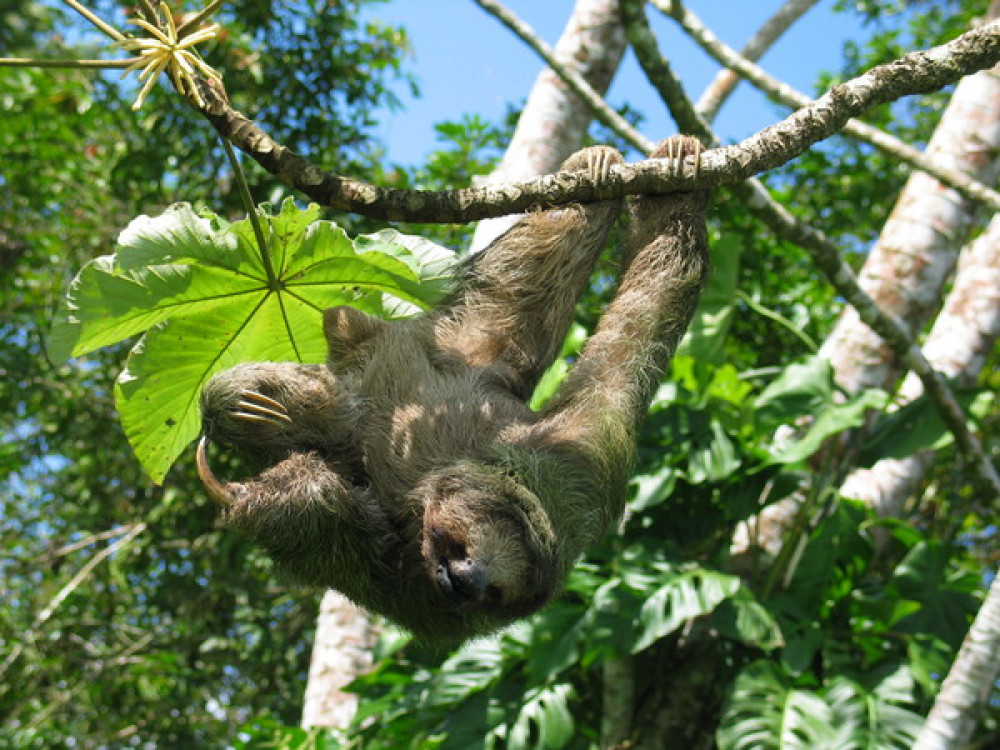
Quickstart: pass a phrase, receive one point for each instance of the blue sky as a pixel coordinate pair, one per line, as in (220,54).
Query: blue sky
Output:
(466,62)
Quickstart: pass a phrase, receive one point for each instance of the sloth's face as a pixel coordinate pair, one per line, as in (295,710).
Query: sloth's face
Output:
(481,549)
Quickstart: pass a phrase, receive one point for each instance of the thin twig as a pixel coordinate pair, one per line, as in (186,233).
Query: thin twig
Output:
(251,209)
(724,83)
(92,539)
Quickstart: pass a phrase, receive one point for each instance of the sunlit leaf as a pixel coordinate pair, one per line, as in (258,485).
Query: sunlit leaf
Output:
(829,420)
(206,297)
(545,720)
(686,594)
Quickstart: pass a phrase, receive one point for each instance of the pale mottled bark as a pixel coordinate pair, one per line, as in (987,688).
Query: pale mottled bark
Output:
(554,120)
(906,270)
(967,687)
(959,342)
(341,652)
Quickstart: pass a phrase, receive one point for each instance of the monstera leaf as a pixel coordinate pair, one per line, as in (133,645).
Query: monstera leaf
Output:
(202,296)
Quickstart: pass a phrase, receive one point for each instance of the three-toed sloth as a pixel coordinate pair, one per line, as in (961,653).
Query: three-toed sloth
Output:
(409,473)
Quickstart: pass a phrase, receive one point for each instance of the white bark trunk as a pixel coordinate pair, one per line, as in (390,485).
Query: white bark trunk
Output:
(554,121)
(965,690)
(345,636)
(959,342)
(906,270)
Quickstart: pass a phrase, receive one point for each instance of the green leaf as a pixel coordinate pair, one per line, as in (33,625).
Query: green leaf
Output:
(472,668)
(829,421)
(206,299)
(106,304)
(714,458)
(802,388)
(687,593)
(434,265)
(705,338)
(926,575)
(742,618)
(876,719)
(918,426)
(764,712)
(545,720)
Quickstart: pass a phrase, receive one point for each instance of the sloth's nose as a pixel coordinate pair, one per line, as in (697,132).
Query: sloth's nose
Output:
(464,578)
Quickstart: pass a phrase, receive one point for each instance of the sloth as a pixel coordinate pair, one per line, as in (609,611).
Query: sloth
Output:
(409,473)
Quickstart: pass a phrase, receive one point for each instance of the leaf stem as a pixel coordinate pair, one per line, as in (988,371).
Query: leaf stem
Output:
(779,319)
(251,208)
(30,62)
(193,22)
(100,23)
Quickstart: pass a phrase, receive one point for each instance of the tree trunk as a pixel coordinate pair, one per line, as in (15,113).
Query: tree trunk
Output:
(554,121)
(906,270)
(345,636)
(958,344)
(963,695)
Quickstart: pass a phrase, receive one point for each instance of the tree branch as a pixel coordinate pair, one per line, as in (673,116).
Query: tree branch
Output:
(576,82)
(785,94)
(31,62)
(726,80)
(918,72)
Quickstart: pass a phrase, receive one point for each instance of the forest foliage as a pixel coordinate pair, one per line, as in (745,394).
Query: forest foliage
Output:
(130,274)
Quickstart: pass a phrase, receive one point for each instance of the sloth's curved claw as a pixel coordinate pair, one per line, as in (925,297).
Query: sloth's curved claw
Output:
(600,161)
(678,149)
(215,489)
(256,407)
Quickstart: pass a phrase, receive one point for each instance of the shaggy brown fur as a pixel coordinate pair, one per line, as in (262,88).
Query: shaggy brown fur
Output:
(409,474)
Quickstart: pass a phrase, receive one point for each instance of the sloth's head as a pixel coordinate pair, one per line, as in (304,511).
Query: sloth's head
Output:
(488,547)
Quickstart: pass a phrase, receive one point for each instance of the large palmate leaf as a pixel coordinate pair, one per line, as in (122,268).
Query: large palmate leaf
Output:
(767,711)
(204,296)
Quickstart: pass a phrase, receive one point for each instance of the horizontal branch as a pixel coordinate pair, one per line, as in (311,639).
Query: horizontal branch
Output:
(915,73)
